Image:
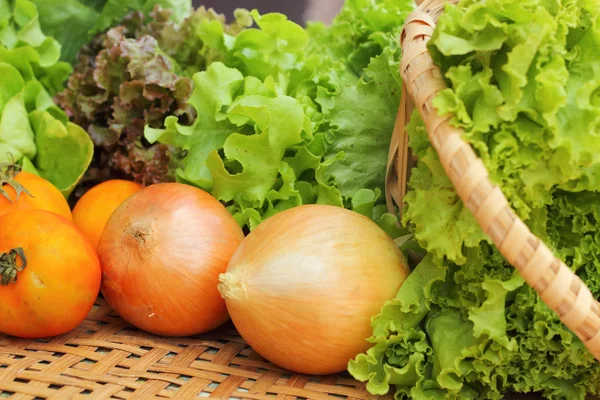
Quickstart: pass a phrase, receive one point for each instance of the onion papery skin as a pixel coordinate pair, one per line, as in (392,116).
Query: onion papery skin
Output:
(302,287)
(161,252)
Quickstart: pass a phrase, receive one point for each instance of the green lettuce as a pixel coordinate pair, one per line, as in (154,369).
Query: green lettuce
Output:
(523,80)
(253,111)
(332,113)
(33,131)
(360,91)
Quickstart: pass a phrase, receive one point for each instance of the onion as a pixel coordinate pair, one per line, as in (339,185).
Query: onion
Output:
(302,287)
(161,252)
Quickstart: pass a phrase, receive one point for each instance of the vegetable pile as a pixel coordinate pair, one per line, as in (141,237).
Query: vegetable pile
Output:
(524,81)
(267,116)
(264,118)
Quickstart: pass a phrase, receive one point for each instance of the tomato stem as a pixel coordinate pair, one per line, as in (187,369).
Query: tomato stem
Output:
(9,266)
(8,173)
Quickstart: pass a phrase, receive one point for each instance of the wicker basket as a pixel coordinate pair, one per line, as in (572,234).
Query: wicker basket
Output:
(560,288)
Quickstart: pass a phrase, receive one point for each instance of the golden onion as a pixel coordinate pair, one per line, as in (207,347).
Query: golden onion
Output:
(302,287)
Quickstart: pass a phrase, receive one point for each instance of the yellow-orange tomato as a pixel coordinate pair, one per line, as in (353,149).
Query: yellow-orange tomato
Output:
(44,196)
(96,206)
(60,278)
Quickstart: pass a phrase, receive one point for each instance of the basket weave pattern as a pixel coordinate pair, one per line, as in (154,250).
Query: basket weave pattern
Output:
(560,288)
(104,358)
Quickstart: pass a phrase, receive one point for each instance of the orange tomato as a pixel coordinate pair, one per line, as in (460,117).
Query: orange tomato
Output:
(96,206)
(44,196)
(60,278)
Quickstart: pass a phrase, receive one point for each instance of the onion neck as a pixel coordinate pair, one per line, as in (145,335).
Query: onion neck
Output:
(139,237)
(231,287)
(10,265)
(8,173)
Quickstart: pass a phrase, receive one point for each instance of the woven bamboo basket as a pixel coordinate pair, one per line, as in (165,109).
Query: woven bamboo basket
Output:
(559,287)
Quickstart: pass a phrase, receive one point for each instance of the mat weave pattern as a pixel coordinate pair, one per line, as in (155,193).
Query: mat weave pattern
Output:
(104,358)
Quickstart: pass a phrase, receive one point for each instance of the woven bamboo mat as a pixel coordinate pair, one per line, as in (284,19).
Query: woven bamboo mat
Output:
(104,358)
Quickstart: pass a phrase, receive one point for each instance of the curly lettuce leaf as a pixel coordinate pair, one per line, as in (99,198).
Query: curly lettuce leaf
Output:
(361,115)
(54,139)
(530,152)
(73,23)
(279,123)
(264,139)
(276,45)
(361,31)
(466,332)
(33,131)
(250,145)
(407,350)
(527,110)
(214,89)
(440,222)
(120,85)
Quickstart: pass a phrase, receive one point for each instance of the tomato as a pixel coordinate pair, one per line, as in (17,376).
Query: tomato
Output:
(60,278)
(96,206)
(42,196)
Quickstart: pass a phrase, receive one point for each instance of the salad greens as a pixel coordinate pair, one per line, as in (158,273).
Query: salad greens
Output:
(73,23)
(33,130)
(261,116)
(524,80)
(122,82)
(282,120)
(362,97)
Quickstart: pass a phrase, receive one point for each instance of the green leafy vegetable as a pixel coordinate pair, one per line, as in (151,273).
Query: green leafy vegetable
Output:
(114,92)
(125,82)
(33,131)
(258,116)
(522,78)
(73,23)
(309,123)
